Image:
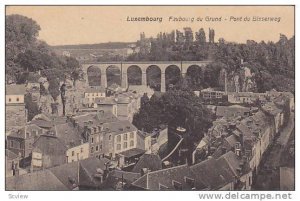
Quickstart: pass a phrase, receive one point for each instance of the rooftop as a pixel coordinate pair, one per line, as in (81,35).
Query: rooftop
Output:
(150,161)
(17,89)
(132,152)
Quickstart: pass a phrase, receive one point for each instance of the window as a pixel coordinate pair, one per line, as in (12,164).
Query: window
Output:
(125,145)
(73,153)
(125,136)
(97,148)
(9,100)
(92,140)
(119,138)
(131,143)
(118,146)
(92,150)
(100,147)
(131,135)
(18,99)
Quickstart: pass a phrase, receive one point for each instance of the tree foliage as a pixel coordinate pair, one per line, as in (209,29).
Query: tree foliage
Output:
(177,106)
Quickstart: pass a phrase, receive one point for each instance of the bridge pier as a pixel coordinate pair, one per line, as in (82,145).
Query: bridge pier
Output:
(163,82)
(144,78)
(103,80)
(124,81)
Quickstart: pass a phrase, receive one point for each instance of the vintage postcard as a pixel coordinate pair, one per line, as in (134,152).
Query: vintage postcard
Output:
(150,98)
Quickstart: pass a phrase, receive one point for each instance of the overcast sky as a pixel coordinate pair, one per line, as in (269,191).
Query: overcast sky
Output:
(61,25)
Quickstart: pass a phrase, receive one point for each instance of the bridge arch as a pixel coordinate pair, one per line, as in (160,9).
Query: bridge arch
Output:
(94,75)
(172,75)
(134,75)
(195,75)
(153,74)
(113,75)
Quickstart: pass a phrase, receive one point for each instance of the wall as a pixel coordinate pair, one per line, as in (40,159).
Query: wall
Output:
(80,152)
(15,116)
(122,141)
(11,99)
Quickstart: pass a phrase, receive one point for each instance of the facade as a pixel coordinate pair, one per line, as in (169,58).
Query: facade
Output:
(15,112)
(92,93)
(212,96)
(21,141)
(48,151)
(11,163)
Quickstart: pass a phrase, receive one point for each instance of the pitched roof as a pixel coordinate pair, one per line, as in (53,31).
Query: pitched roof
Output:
(50,145)
(43,180)
(132,152)
(89,168)
(68,134)
(67,174)
(95,90)
(167,178)
(215,177)
(17,89)
(151,161)
(10,155)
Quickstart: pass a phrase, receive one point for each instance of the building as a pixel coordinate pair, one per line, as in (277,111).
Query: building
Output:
(43,180)
(148,162)
(107,104)
(107,135)
(80,175)
(128,104)
(229,172)
(11,163)
(246,97)
(141,89)
(15,112)
(48,151)
(91,93)
(77,146)
(212,96)
(20,141)
(234,111)
(144,141)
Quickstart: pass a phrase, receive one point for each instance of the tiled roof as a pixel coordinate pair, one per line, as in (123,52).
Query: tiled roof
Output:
(10,155)
(167,178)
(95,90)
(68,134)
(150,161)
(18,89)
(41,181)
(215,177)
(88,169)
(50,145)
(67,174)
(132,152)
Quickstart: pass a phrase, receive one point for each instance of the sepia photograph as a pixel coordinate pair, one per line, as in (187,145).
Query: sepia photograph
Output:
(149,98)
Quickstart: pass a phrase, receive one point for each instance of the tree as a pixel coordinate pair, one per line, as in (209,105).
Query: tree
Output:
(20,34)
(180,107)
(31,107)
(200,36)
(54,88)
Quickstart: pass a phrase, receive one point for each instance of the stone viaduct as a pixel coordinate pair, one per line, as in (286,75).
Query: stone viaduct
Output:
(124,66)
